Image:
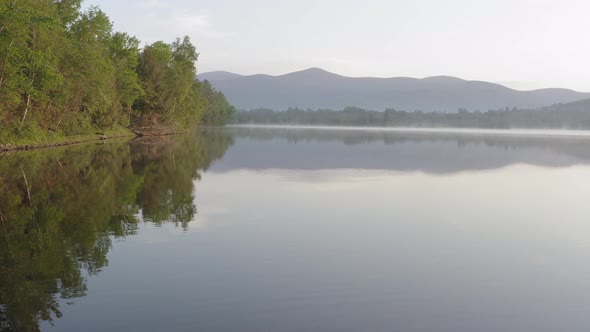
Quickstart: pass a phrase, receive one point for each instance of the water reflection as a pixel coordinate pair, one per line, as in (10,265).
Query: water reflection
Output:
(396,244)
(60,210)
(437,153)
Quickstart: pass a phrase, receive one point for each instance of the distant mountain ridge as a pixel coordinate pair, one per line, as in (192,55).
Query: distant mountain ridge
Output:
(316,88)
(216,76)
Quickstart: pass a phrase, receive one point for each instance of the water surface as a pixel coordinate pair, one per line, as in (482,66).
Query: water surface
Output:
(269,229)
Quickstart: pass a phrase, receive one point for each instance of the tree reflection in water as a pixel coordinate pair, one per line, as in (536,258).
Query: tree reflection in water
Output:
(61,208)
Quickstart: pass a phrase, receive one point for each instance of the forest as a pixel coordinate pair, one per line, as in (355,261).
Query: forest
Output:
(64,71)
(565,116)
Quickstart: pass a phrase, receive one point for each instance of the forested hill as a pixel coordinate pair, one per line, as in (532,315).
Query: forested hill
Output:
(582,106)
(64,71)
(318,89)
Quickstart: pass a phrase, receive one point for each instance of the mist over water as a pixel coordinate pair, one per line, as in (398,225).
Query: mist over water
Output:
(435,130)
(273,229)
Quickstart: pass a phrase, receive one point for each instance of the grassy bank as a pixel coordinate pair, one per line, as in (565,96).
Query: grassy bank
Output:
(34,139)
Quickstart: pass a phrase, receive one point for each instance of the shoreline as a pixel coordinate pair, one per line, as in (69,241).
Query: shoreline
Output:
(8,147)
(28,147)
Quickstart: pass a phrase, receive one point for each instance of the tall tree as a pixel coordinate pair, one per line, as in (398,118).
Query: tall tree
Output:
(30,38)
(218,110)
(168,73)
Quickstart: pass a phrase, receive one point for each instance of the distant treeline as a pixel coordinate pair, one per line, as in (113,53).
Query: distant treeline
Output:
(64,69)
(558,116)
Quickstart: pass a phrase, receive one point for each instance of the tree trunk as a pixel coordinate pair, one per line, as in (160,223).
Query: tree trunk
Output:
(32,77)
(26,109)
(28,188)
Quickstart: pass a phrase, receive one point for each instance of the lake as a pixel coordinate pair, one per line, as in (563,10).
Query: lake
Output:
(274,229)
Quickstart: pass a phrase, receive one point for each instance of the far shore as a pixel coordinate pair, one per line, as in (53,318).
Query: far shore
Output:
(441,130)
(557,133)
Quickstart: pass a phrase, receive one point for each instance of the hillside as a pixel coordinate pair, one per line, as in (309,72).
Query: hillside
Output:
(575,106)
(316,88)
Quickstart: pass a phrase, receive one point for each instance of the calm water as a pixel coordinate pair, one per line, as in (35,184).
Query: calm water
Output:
(266,229)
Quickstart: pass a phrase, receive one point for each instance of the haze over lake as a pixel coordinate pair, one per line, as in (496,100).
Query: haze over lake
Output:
(273,229)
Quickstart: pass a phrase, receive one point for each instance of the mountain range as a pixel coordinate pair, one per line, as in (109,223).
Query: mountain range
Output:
(316,88)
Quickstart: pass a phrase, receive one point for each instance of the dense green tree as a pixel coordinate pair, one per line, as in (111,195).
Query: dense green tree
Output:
(218,110)
(90,81)
(30,36)
(172,94)
(123,51)
(65,70)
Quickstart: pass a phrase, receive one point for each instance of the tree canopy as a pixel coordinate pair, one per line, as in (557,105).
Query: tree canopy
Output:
(64,69)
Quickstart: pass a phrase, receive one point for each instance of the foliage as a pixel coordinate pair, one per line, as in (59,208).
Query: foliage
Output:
(65,70)
(219,111)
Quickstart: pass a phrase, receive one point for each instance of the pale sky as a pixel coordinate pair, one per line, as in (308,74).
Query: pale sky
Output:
(524,44)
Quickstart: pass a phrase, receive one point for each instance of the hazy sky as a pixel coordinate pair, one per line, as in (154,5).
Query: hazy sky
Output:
(521,43)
